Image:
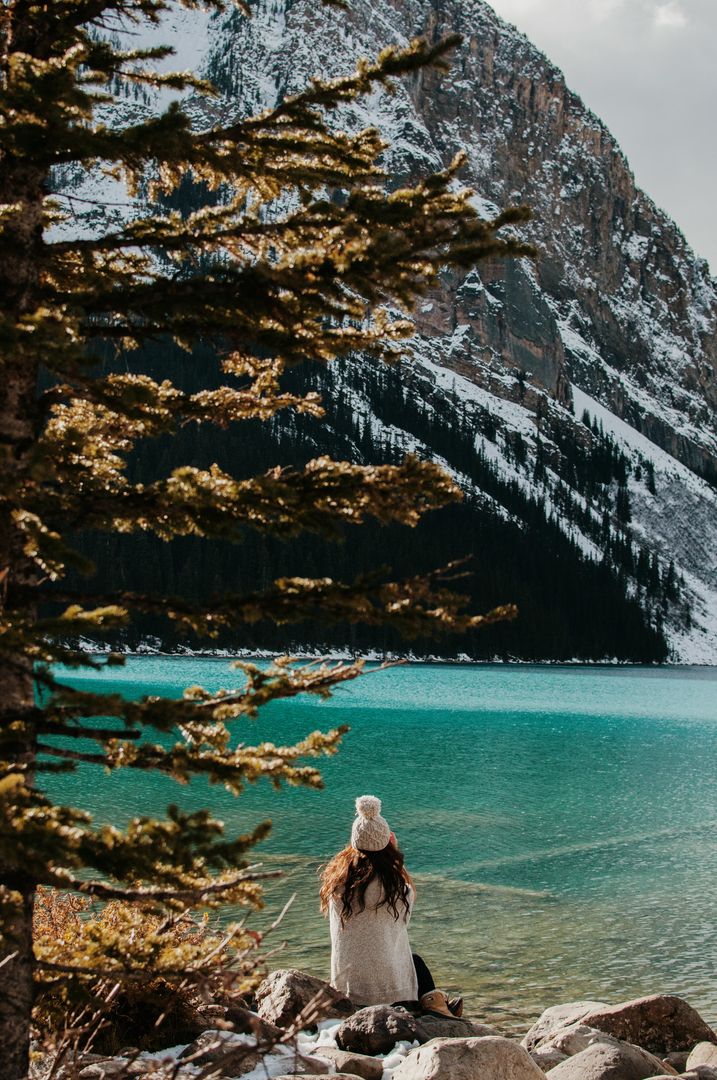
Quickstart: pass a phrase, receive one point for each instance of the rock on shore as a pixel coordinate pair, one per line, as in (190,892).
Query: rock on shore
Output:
(656,1037)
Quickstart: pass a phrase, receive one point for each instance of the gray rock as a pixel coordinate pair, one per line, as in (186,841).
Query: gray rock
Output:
(547,1057)
(232,1054)
(369,1068)
(701,1072)
(376,1030)
(576,1038)
(677,1059)
(579,1037)
(660,1023)
(299,1065)
(705,1053)
(118,1067)
(556,1018)
(439,1027)
(287,994)
(247,1022)
(604,1061)
(489,1058)
(334,1076)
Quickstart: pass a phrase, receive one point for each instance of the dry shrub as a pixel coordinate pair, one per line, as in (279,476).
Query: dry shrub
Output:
(121,974)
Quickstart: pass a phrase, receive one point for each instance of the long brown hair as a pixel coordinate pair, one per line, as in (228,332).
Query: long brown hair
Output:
(349,874)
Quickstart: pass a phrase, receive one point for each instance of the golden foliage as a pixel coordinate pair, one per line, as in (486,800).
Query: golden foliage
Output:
(126,975)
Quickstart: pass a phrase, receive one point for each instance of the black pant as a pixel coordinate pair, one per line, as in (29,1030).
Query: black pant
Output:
(425,979)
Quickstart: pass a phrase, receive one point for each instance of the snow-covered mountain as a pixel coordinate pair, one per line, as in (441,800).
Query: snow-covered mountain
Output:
(603,348)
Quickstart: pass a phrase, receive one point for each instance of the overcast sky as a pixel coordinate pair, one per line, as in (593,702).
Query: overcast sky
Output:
(648,69)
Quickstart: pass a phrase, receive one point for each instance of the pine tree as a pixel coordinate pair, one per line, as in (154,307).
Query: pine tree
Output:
(265,287)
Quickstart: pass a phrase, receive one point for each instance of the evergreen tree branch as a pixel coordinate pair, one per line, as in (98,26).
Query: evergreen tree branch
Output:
(320,498)
(417,606)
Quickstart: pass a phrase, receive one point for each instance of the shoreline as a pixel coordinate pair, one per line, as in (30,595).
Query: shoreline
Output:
(372,657)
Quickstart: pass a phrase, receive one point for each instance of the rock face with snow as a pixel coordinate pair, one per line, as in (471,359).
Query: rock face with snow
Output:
(616,316)
(607,342)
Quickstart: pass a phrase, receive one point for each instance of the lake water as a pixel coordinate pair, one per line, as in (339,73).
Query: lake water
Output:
(561,822)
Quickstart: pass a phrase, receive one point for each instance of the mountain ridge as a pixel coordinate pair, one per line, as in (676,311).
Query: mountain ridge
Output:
(610,333)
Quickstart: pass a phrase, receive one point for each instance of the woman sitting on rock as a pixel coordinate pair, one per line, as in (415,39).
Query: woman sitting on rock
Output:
(368,895)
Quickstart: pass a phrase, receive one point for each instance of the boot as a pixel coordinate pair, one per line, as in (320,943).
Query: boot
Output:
(435,1003)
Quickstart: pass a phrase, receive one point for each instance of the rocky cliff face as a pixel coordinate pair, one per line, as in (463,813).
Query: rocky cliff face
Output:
(616,301)
(616,318)
(611,334)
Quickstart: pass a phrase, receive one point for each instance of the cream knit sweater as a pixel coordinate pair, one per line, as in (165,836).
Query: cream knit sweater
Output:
(371,959)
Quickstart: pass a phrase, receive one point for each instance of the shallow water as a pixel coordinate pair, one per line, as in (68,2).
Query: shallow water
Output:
(561,821)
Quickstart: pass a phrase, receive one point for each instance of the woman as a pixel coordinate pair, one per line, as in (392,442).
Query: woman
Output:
(368,895)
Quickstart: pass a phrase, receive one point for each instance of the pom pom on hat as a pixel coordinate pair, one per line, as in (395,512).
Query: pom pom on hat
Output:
(370,831)
(368,806)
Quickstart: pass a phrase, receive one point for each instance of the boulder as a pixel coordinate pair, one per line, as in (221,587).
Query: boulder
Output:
(334,1076)
(700,1072)
(556,1018)
(345,1062)
(576,1038)
(705,1053)
(287,993)
(547,1057)
(119,1067)
(376,1030)
(660,1023)
(233,1054)
(440,1027)
(608,1061)
(677,1059)
(573,1040)
(247,1022)
(489,1058)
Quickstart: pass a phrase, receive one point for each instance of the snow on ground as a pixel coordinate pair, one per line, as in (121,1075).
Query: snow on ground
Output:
(280,1061)
(515,416)
(679,521)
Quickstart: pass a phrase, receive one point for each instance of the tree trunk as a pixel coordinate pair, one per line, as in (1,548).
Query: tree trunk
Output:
(19,279)
(17,890)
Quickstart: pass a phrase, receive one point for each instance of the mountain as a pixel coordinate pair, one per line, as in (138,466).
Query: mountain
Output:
(573,396)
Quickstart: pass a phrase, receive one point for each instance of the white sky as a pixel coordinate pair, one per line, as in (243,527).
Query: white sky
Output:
(648,69)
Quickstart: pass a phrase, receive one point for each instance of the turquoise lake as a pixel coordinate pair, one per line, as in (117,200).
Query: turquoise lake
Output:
(561,822)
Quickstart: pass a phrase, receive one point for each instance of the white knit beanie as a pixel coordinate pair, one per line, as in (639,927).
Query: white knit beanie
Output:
(370,831)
